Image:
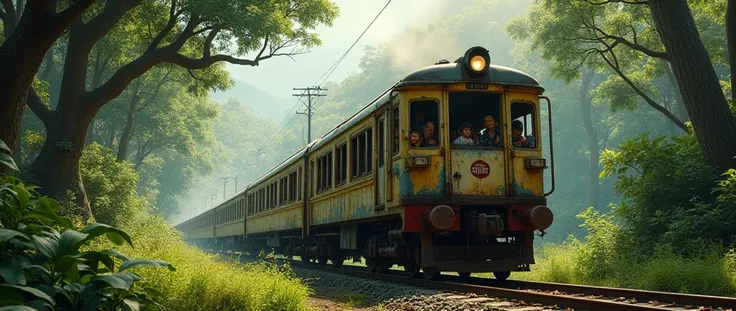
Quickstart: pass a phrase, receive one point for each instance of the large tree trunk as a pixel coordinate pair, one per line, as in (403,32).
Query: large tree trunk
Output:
(128,129)
(22,53)
(57,166)
(731,35)
(593,167)
(706,105)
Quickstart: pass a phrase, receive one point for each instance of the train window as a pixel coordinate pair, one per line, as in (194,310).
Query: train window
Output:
(475,120)
(523,125)
(395,129)
(312,178)
(292,186)
(324,172)
(341,164)
(299,182)
(424,120)
(381,142)
(362,153)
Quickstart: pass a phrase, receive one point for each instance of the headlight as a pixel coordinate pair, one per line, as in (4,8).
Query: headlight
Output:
(419,161)
(536,163)
(477,63)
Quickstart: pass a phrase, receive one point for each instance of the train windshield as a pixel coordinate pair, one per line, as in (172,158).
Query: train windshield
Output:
(476,120)
(424,131)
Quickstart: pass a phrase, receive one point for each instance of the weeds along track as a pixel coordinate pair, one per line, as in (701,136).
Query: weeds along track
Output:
(544,295)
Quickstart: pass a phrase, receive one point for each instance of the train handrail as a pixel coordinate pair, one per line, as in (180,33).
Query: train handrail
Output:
(551,144)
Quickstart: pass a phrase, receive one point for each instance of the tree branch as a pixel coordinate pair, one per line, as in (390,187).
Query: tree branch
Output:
(160,84)
(65,18)
(632,45)
(651,102)
(208,42)
(173,17)
(102,23)
(39,108)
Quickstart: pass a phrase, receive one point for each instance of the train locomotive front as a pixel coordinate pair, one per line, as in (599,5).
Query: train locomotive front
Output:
(468,179)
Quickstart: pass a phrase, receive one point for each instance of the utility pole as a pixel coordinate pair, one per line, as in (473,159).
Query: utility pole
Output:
(236,184)
(224,181)
(308,92)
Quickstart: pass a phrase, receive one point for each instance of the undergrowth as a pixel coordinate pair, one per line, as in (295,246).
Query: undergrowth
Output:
(204,282)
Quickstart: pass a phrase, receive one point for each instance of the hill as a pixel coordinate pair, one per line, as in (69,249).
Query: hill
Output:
(257,101)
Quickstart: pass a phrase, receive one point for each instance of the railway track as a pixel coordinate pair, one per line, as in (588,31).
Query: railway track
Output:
(546,295)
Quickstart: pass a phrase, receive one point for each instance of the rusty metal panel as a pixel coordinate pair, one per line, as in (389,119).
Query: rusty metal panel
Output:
(526,182)
(230,229)
(478,172)
(424,182)
(276,220)
(350,204)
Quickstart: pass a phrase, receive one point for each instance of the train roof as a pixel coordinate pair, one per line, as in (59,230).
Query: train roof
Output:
(445,72)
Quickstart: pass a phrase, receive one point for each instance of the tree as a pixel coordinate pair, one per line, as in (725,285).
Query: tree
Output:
(705,102)
(599,35)
(593,165)
(29,30)
(193,35)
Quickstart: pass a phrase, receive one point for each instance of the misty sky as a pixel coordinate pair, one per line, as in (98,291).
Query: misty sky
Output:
(278,76)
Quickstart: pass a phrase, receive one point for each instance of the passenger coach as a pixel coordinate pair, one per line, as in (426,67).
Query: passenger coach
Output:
(442,172)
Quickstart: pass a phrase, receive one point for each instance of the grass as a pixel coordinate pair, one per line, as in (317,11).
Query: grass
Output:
(204,282)
(711,273)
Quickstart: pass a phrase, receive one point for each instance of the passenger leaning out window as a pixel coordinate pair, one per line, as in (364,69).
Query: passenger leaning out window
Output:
(489,137)
(465,138)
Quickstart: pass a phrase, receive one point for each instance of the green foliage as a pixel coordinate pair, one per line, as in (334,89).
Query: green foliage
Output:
(667,187)
(110,185)
(6,159)
(607,257)
(206,282)
(43,266)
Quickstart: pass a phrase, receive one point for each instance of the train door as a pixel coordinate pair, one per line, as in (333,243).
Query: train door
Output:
(524,136)
(381,155)
(424,175)
(477,156)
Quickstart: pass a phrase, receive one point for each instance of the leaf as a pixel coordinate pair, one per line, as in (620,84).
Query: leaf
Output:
(116,254)
(11,270)
(117,280)
(23,195)
(46,246)
(70,241)
(6,234)
(97,229)
(22,294)
(8,161)
(3,146)
(65,222)
(137,263)
(152,292)
(17,308)
(65,263)
(96,256)
(131,305)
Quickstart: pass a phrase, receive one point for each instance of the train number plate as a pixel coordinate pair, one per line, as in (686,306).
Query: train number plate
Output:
(476,86)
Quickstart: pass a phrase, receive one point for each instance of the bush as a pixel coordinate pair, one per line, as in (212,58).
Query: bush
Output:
(111,186)
(42,267)
(204,282)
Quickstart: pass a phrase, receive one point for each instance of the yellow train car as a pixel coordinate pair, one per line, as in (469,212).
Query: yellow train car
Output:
(442,172)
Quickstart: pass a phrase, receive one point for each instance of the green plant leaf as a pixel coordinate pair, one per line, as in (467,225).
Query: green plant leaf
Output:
(96,256)
(65,263)
(23,195)
(17,308)
(152,292)
(46,246)
(70,241)
(22,294)
(7,234)
(11,270)
(65,222)
(137,263)
(131,305)
(3,146)
(117,280)
(97,229)
(8,161)
(116,254)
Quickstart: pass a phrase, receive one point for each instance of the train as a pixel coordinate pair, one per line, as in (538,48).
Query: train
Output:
(442,172)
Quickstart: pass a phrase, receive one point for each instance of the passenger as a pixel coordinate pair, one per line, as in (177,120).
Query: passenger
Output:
(489,136)
(415,139)
(429,131)
(520,141)
(516,128)
(465,139)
